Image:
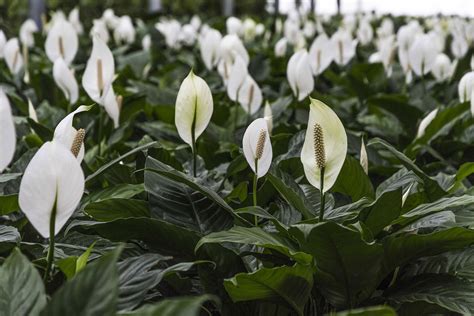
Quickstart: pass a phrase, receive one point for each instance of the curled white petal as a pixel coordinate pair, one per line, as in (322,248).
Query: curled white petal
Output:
(249,144)
(7,132)
(335,145)
(53,178)
(62,42)
(193,104)
(65,80)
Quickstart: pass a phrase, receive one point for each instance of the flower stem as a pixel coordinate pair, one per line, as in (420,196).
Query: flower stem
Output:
(321,210)
(254,187)
(50,257)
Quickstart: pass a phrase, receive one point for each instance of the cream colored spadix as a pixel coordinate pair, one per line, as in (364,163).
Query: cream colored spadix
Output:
(7,132)
(334,149)
(257,147)
(65,80)
(53,180)
(100,71)
(65,132)
(62,42)
(194,107)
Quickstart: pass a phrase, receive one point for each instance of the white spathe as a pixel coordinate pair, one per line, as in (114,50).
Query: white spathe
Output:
(344,47)
(75,20)
(101,57)
(425,122)
(268,116)
(335,145)
(320,54)
(53,178)
(61,42)
(125,31)
(194,104)
(281,47)
(65,132)
(209,47)
(250,95)
(65,80)
(13,56)
(237,77)
(7,132)
(112,107)
(249,144)
(3,41)
(299,75)
(32,112)
(422,54)
(443,68)
(466,88)
(26,32)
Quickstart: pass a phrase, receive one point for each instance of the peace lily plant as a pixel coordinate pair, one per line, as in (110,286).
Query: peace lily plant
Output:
(7,132)
(257,151)
(193,111)
(324,148)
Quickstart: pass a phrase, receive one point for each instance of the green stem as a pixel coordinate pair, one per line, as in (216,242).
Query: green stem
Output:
(236,117)
(101,122)
(321,210)
(255,181)
(50,257)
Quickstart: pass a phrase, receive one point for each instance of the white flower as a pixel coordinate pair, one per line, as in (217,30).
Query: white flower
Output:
(459,47)
(257,147)
(280,47)
(13,56)
(76,21)
(124,31)
(422,54)
(100,71)
(26,32)
(325,146)
(65,133)
(62,42)
(99,29)
(344,47)
(237,77)
(3,41)
(365,33)
(249,29)
(268,116)
(53,180)
(309,29)
(110,18)
(209,47)
(188,35)
(32,112)
(234,26)
(65,80)
(425,122)
(443,68)
(170,30)
(195,22)
(250,96)
(7,132)
(466,88)
(231,46)
(320,54)
(194,107)
(112,106)
(299,75)
(146,42)
(386,28)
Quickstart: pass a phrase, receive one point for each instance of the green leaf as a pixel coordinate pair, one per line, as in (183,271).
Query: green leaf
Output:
(118,159)
(385,209)
(136,278)
(353,181)
(347,267)
(70,266)
(111,209)
(288,285)
(9,237)
(432,187)
(21,288)
(401,249)
(93,291)
(448,203)
(189,306)
(368,311)
(8,204)
(178,199)
(120,191)
(444,290)
(290,191)
(258,237)
(43,132)
(458,263)
(162,236)
(464,171)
